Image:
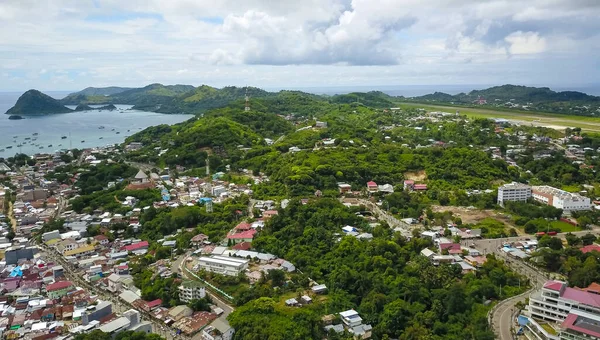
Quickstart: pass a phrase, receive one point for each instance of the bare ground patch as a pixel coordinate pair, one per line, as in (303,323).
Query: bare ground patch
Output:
(474,215)
(416,176)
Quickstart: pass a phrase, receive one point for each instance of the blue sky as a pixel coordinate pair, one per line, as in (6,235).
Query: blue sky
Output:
(72,44)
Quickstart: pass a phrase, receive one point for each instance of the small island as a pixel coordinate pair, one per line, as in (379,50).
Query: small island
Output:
(15,117)
(85,107)
(35,103)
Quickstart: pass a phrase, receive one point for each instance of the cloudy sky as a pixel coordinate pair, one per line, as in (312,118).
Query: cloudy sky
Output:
(68,45)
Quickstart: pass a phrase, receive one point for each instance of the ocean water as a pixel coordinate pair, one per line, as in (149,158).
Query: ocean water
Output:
(83,129)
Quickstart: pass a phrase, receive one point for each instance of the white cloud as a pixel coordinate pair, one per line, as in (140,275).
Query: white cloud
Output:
(311,42)
(525,43)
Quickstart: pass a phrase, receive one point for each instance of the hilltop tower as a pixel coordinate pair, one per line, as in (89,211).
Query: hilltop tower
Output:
(247,106)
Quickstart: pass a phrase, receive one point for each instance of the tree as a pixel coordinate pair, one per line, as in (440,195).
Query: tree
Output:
(584,221)
(553,243)
(588,239)
(572,240)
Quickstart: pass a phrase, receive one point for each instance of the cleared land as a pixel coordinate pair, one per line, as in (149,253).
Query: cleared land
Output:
(550,120)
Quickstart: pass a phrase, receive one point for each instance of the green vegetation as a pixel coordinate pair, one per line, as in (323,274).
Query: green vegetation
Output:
(579,268)
(510,96)
(34,102)
(126,335)
(564,227)
(394,288)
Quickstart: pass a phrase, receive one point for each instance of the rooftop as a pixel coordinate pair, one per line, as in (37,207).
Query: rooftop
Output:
(583,322)
(515,185)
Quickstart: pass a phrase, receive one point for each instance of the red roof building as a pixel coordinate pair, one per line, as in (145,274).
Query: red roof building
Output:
(137,246)
(244,235)
(589,248)
(242,246)
(59,285)
(581,325)
(243,226)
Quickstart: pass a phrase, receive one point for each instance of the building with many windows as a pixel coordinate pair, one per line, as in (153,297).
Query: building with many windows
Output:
(223,265)
(191,290)
(567,201)
(516,192)
(573,313)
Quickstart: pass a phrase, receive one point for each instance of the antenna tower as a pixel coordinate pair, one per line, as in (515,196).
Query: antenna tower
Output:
(247,107)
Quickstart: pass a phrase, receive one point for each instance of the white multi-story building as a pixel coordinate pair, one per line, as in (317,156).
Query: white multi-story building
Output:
(513,192)
(560,199)
(223,265)
(191,290)
(576,312)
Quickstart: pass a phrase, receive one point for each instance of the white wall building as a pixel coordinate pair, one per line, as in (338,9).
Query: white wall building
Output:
(223,265)
(191,290)
(560,199)
(513,192)
(575,312)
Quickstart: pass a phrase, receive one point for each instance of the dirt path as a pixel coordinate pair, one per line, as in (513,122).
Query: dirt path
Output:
(11,217)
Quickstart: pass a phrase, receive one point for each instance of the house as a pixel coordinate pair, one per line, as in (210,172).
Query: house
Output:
(81,251)
(408,185)
(476,261)
(291,302)
(199,240)
(245,236)
(178,312)
(420,187)
(452,248)
(305,299)
(114,283)
(351,318)
(372,186)
(59,289)
(269,214)
(427,253)
(319,289)
(101,240)
(344,188)
(218,330)
(136,246)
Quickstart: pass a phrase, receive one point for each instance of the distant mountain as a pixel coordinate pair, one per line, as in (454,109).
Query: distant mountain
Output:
(518,97)
(103,91)
(371,99)
(149,96)
(515,93)
(34,102)
(92,95)
(205,97)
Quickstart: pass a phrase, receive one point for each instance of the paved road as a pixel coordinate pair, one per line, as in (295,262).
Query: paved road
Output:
(502,318)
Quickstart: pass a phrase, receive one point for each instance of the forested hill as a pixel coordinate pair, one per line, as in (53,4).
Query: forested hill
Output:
(521,97)
(34,102)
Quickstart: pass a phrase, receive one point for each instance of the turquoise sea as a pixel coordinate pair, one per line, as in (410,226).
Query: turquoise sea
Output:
(82,129)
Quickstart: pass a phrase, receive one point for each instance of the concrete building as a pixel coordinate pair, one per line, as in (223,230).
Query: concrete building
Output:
(59,289)
(218,330)
(223,265)
(191,290)
(560,199)
(573,313)
(515,192)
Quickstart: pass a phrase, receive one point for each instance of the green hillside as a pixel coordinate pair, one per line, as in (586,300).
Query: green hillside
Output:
(34,102)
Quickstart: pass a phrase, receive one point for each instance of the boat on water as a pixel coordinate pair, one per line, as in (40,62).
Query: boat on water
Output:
(101,137)
(63,137)
(1,150)
(118,132)
(35,134)
(101,127)
(20,145)
(59,144)
(27,138)
(50,145)
(112,130)
(83,141)
(9,147)
(41,147)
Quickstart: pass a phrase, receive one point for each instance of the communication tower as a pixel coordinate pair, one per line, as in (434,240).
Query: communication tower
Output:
(247,107)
